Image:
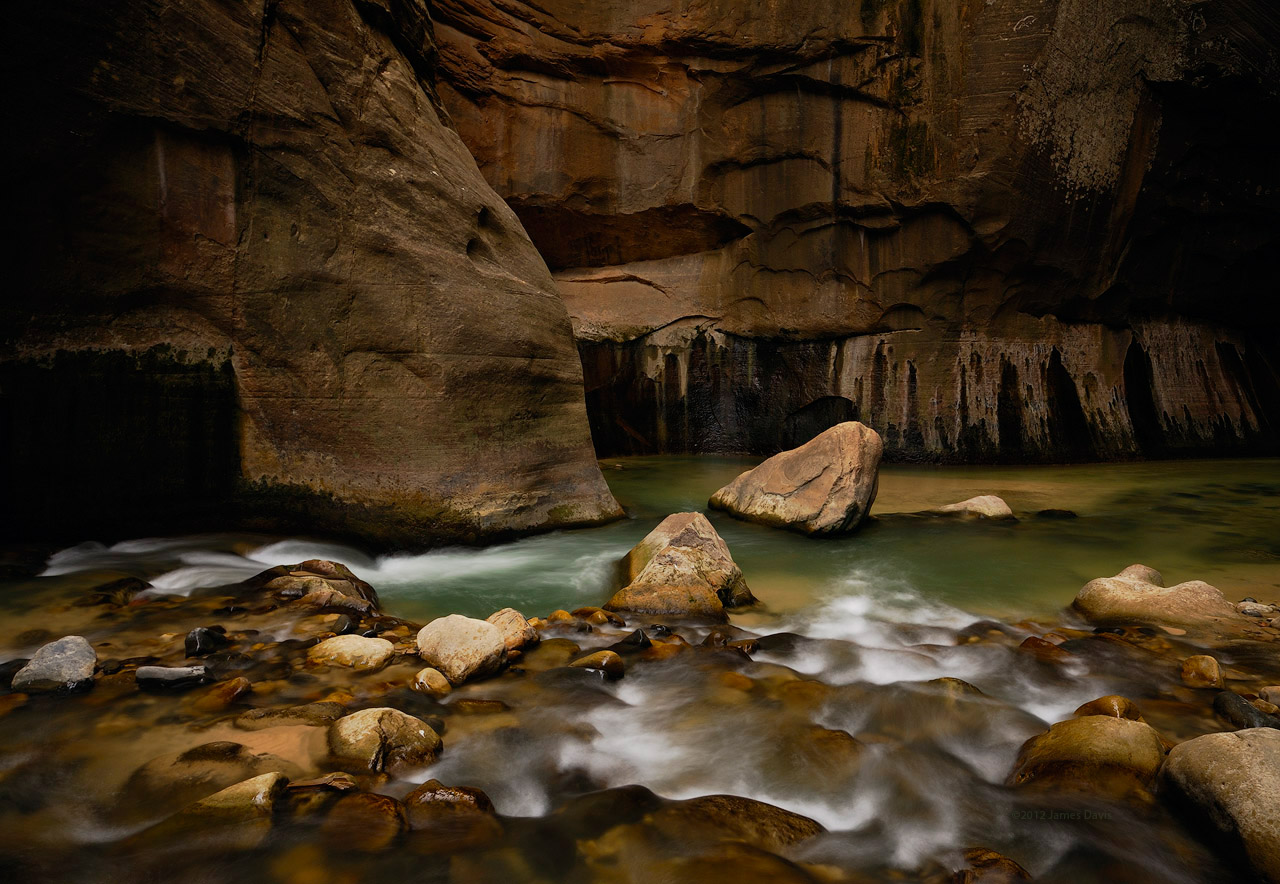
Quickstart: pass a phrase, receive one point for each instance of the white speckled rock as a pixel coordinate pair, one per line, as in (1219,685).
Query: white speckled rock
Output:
(462,647)
(355,651)
(66,664)
(383,739)
(1232,780)
(985,506)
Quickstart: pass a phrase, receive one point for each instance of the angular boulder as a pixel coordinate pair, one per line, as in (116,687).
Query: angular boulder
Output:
(1230,782)
(66,664)
(1138,595)
(462,647)
(681,568)
(826,486)
(383,739)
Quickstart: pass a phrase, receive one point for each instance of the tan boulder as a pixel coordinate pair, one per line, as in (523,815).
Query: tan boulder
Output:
(1230,782)
(1201,671)
(462,647)
(682,568)
(986,506)
(1138,595)
(516,630)
(383,739)
(360,653)
(826,486)
(432,683)
(1100,754)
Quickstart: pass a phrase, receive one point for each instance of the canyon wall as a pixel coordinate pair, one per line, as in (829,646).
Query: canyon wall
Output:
(992,229)
(257,279)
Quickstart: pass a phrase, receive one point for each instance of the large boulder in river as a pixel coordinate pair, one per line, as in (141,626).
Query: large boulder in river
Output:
(1231,782)
(682,568)
(66,664)
(1138,595)
(825,486)
(320,584)
(1100,754)
(383,739)
(462,647)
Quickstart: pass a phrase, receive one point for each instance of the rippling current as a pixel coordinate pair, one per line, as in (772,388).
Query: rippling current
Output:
(858,630)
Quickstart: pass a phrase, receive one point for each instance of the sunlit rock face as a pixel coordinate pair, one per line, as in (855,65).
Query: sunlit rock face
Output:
(1018,229)
(257,272)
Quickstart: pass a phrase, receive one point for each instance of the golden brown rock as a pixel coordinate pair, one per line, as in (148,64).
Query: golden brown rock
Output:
(606,661)
(1112,705)
(1100,754)
(1201,671)
(364,822)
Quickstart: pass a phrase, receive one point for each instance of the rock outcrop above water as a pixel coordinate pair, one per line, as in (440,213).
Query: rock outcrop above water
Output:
(258,277)
(985,506)
(1229,782)
(826,486)
(1138,595)
(681,568)
(984,230)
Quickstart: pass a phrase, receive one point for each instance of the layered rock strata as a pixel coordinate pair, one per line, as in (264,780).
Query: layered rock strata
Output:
(1014,230)
(256,271)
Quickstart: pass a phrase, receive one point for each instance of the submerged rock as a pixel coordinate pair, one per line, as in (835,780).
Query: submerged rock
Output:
(826,486)
(983,866)
(238,817)
(986,506)
(462,647)
(1138,595)
(1230,783)
(364,822)
(360,653)
(383,739)
(448,819)
(682,568)
(171,781)
(1100,754)
(63,665)
(204,640)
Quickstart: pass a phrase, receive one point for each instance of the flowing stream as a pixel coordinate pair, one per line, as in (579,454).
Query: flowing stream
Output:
(858,630)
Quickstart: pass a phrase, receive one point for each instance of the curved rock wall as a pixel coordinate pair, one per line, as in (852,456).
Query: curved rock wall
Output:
(1007,229)
(264,197)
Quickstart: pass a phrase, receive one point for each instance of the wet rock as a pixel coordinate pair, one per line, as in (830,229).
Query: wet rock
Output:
(462,648)
(1257,609)
(432,683)
(117,593)
(174,780)
(1100,754)
(955,688)
(730,817)
(598,616)
(826,486)
(606,661)
(364,822)
(1241,713)
(1265,707)
(204,640)
(319,584)
(731,861)
(311,714)
(1112,705)
(1229,783)
(633,643)
(983,866)
(222,695)
(360,653)
(345,625)
(1044,650)
(1201,671)
(1271,693)
(447,819)
(516,630)
(383,739)
(986,506)
(63,665)
(171,677)
(681,568)
(238,817)
(1137,595)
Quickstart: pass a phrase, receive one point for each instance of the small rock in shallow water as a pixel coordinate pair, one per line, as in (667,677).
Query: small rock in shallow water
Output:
(635,642)
(63,665)
(364,822)
(1271,693)
(1112,705)
(1044,650)
(985,866)
(238,817)
(312,714)
(462,647)
(1265,707)
(360,653)
(1099,754)
(985,506)
(222,695)
(1201,671)
(383,739)
(205,640)
(606,661)
(432,683)
(516,630)
(1240,712)
(447,819)
(1257,609)
(174,677)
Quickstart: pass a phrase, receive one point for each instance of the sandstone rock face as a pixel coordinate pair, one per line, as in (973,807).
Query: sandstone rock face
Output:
(986,506)
(985,230)
(65,664)
(682,568)
(826,486)
(462,647)
(269,274)
(1231,782)
(1136,595)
